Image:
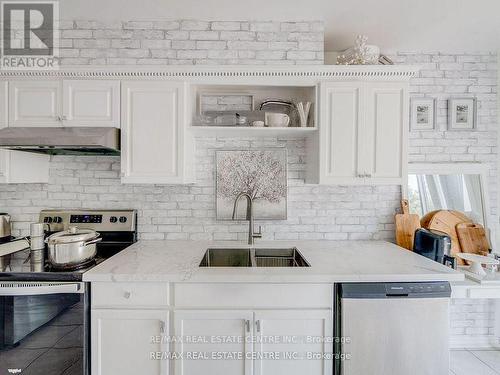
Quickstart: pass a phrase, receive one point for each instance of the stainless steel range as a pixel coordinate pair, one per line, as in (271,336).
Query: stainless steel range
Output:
(45,311)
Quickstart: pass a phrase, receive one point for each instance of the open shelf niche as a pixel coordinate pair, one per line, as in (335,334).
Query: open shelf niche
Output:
(218,109)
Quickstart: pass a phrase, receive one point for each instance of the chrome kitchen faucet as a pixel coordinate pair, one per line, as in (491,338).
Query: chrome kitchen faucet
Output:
(251,234)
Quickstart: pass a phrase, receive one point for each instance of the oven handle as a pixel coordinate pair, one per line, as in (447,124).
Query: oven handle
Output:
(35,289)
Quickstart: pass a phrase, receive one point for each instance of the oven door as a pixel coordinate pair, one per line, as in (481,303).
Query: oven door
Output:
(43,328)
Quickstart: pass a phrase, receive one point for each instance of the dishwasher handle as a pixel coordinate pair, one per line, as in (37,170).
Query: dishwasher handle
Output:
(433,289)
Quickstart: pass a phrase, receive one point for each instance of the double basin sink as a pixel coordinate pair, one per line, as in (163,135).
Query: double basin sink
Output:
(253,257)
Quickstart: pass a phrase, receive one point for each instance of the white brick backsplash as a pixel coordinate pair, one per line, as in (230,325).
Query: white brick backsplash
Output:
(226,25)
(177,35)
(77,34)
(166,25)
(238,41)
(204,35)
(195,25)
(138,25)
(265,26)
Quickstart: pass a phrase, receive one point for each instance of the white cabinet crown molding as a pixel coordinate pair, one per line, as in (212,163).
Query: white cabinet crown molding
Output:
(225,71)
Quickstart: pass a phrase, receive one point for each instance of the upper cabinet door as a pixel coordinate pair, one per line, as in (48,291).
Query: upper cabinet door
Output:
(4,120)
(35,103)
(153,139)
(341,115)
(4,104)
(91,103)
(385,133)
(363,132)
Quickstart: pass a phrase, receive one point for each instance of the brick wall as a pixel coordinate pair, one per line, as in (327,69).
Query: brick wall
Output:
(323,212)
(472,323)
(315,212)
(188,212)
(191,42)
(445,76)
(466,75)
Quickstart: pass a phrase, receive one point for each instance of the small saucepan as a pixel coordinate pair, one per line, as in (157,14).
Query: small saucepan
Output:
(72,247)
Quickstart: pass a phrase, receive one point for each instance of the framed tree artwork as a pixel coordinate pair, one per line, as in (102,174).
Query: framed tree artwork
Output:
(262,173)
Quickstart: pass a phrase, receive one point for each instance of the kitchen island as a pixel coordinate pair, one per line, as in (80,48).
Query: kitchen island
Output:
(156,311)
(330,261)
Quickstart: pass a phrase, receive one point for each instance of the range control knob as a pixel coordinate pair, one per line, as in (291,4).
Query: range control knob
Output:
(123,219)
(113,219)
(47,220)
(58,219)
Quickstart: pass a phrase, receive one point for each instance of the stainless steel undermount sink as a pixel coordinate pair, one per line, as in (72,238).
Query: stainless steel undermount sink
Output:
(253,257)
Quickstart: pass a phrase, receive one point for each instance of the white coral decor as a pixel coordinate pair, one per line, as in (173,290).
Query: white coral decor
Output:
(360,54)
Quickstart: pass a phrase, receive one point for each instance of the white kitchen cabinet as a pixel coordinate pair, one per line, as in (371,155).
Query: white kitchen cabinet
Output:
(341,117)
(16,166)
(304,342)
(208,326)
(4,104)
(298,333)
(363,131)
(91,103)
(155,146)
(35,103)
(385,132)
(68,103)
(122,342)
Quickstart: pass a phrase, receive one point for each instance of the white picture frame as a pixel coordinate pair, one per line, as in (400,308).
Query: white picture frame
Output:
(462,113)
(423,114)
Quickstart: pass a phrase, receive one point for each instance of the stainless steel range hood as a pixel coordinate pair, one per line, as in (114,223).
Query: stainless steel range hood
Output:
(62,141)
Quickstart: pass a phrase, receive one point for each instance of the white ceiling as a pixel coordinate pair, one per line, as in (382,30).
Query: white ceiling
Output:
(394,25)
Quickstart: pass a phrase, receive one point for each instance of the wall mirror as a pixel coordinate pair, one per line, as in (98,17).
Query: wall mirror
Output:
(461,187)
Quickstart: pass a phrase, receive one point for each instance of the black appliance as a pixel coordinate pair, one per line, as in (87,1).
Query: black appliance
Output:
(45,316)
(434,245)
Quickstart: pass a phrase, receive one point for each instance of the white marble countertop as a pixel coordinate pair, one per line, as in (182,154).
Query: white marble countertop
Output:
(331,261)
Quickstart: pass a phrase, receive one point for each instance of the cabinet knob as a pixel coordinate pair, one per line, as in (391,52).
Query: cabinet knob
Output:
(247,325)
(126,294)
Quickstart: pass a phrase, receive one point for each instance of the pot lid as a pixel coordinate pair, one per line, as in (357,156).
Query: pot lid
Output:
(73,234)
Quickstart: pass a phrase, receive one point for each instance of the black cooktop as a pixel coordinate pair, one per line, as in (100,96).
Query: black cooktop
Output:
(19,271)
(117,228)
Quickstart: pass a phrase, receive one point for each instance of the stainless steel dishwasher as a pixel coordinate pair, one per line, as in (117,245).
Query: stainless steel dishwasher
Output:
(394,328)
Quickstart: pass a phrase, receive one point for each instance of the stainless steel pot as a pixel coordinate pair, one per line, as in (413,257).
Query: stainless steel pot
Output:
(5,231)
(72,247)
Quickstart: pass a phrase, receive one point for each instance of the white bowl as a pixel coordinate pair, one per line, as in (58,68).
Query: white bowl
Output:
(477,261)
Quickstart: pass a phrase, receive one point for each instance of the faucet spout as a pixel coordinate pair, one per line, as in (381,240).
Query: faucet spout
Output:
(251,234)
(249,204)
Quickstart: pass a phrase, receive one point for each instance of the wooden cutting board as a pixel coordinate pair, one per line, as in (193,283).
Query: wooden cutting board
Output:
(446,221)
(406,225)
(473,239)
